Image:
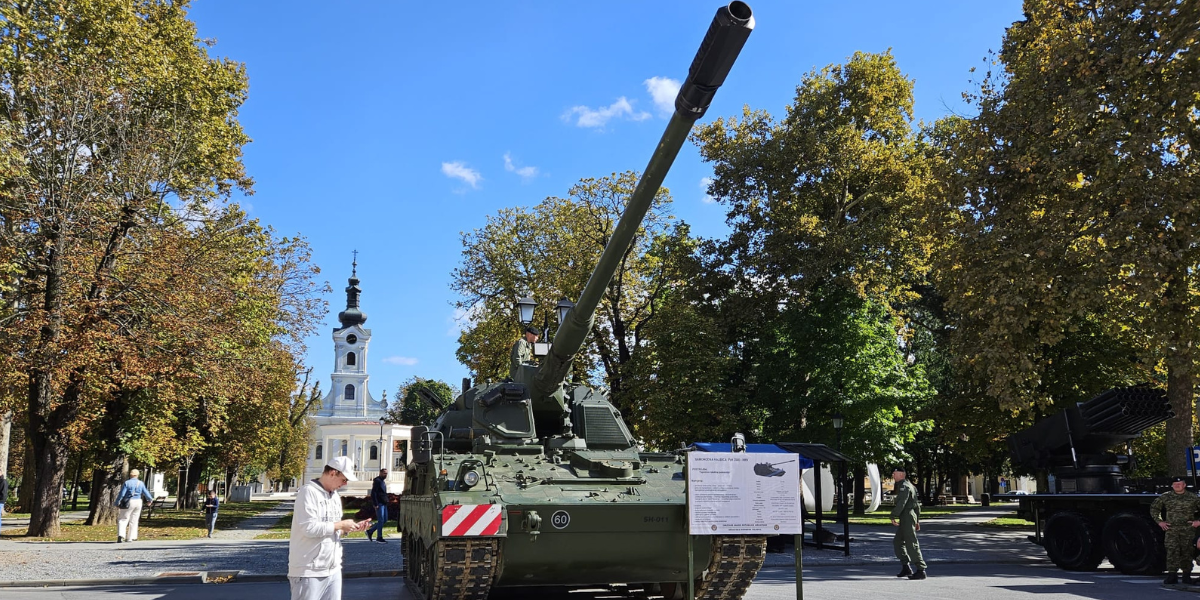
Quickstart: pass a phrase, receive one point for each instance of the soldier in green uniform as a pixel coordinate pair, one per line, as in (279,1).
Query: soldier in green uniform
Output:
(1181,518)
(522,351)
(907,516)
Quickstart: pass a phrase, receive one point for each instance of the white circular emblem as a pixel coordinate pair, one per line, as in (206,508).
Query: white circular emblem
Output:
(560,519)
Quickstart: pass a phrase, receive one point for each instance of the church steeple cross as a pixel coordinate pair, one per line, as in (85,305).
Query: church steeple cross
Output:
(354,265)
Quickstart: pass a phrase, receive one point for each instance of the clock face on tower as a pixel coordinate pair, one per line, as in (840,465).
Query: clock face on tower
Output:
(352,339)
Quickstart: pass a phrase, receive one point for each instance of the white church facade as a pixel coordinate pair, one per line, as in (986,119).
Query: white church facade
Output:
(350,419)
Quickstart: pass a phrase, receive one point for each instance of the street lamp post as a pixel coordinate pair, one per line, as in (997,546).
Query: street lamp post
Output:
(381,446)
(838,421)
(525,308)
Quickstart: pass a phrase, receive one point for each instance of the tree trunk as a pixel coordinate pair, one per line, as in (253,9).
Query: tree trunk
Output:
(860,490)
(50,463)
(189,495)
(1180,386)
(25,493)
(106,484)
(75,484)
(1180,380)
(5,437)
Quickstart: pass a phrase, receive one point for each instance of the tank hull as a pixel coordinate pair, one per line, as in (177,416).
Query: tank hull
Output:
(602,544)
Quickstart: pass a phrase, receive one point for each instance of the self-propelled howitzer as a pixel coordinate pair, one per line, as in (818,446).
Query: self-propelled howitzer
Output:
(535,481)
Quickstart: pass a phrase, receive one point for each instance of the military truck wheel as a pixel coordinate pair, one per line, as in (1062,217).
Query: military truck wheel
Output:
(1133,544)
(1072,542)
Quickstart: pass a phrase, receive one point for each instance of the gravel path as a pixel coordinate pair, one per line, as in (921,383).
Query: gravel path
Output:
(229,550)
(249,529)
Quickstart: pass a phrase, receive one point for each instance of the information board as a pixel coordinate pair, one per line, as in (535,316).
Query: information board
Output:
(743,493)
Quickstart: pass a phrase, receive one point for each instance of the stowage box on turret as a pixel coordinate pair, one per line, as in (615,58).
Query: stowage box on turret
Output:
(535,481)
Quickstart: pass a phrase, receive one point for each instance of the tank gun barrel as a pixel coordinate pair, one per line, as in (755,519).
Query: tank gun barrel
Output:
(728,32)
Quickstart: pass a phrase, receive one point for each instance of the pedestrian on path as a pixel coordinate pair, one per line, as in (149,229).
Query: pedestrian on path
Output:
(906,515)
(315,550)
(379,498)
(211,505)
(129,500)
(1180,522)
(3,495)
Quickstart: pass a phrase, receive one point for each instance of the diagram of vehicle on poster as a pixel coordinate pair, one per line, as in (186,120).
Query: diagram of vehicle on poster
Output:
(769,470)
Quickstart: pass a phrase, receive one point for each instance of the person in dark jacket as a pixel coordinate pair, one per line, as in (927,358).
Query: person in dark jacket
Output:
(379,497)
(3,493)
(211,505)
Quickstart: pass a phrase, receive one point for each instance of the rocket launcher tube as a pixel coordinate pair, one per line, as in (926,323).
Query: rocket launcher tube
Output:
(722,43)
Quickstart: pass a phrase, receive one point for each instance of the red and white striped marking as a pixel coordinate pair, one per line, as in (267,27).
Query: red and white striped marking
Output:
(460,520)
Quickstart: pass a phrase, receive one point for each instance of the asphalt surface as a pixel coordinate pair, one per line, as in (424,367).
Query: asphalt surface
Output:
(976,581)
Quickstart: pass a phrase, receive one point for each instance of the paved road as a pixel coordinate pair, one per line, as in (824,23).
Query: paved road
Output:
(951,582)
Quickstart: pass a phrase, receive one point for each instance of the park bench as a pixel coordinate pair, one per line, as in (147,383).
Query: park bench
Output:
(158,502)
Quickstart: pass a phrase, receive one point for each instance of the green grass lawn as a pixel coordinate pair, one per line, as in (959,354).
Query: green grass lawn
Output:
(882,516)
(283,529)
(84,504)
(1008,523)
(167,524)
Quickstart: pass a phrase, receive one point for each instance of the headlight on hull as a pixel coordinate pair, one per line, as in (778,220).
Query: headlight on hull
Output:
(470,478)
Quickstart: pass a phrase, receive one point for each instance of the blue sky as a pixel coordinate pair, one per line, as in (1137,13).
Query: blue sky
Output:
(392,127)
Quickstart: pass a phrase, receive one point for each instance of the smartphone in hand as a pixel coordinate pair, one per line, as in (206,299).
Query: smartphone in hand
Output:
(362,525)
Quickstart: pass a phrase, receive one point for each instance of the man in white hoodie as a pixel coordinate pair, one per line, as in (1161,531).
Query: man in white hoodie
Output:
(315,550)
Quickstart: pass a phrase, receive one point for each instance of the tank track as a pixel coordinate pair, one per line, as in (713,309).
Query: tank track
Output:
(734,564)
(464,568)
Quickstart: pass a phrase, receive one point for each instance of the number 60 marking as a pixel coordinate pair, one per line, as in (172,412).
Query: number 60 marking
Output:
(560,519)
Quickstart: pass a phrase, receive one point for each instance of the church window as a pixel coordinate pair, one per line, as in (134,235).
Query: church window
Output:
(349,392)
(374,452)
(350,358)
(320,451)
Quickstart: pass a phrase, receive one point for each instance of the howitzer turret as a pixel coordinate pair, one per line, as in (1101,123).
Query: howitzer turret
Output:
(535,459)
(1074,444)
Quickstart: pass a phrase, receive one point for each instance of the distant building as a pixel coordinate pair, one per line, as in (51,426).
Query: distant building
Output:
(349,420)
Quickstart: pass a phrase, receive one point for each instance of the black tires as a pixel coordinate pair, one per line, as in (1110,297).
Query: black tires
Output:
(1134,544)
(1073,542)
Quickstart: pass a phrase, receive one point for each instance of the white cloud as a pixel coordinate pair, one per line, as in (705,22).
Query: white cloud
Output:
(400,360)
(704,183)
(599,117)
(463,319)
(526,173)
(458,170)
(663,90)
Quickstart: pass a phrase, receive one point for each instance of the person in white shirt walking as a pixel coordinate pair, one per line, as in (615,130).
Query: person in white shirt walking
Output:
(315,548)
(129,500)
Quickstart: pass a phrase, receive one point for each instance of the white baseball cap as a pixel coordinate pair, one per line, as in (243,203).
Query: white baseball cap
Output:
(343,464)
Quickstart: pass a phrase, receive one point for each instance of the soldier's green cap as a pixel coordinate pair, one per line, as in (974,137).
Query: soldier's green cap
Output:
(1175,479)
(900,470)
(533,330)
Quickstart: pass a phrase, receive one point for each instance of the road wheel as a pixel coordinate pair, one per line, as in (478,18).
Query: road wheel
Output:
(1072,542)
(408,556)
(1134,544)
